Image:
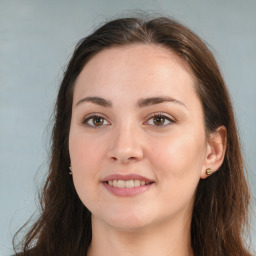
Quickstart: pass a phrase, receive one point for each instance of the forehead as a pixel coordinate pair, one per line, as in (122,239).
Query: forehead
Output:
(135,70)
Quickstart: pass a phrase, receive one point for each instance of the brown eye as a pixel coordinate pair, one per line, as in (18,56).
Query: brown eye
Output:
(158,120)
(97,121)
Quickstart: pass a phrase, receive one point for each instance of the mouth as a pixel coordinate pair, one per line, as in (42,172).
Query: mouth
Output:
(127,185)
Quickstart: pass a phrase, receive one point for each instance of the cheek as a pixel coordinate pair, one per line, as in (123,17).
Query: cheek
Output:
(86,152)
(177,153)
(87,157)
(177,162)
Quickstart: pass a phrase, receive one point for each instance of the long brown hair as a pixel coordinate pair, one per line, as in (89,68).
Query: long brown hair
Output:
(220,211)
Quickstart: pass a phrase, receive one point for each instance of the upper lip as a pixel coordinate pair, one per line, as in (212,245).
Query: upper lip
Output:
(126,177)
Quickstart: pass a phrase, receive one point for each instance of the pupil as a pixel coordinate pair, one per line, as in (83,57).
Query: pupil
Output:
(98,121)
(158,120)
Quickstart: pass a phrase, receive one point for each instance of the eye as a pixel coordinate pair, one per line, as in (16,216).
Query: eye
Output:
(160,120)
(94,121)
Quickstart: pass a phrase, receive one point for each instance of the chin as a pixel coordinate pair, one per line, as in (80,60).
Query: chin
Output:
(128,224)
(128,220)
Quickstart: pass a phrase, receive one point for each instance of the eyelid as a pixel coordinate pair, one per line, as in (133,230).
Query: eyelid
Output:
(86,118)
(163,115)
(91,115)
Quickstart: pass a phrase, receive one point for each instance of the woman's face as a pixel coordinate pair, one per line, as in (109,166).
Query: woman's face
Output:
(137,141)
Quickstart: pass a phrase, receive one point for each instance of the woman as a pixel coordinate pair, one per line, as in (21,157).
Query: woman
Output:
(145,125)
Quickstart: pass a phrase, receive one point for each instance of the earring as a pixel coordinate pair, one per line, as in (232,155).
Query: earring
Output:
(70,173)
(208,171)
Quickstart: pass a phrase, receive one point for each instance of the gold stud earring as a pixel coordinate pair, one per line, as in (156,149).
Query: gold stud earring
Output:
(70,173)
(208,171)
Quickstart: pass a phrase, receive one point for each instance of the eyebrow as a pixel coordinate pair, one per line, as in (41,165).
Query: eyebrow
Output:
(96,100)
(140,103)
(157,100)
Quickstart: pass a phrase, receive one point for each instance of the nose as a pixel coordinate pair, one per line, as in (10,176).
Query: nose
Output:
(126,146)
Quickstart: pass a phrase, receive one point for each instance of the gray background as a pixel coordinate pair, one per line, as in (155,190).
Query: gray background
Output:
(36,41)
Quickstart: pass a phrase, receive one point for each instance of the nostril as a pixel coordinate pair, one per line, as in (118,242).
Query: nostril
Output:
(125,153)
(132,158)
(114,158)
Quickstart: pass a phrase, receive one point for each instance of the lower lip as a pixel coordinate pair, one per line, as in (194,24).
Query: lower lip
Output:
(127,192)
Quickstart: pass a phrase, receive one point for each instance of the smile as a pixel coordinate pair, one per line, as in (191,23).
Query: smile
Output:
(127,185)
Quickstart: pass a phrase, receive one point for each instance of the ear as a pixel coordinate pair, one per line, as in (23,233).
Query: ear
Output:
(215,152)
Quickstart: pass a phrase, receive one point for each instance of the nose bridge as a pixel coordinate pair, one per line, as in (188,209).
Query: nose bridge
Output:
(126,142)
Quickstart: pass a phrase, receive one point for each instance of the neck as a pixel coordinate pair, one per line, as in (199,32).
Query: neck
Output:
(162,239)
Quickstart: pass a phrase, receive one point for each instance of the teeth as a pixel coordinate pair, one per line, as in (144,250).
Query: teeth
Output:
(126,184)
(129,184)
(121,183)
(114,183)
(136,183)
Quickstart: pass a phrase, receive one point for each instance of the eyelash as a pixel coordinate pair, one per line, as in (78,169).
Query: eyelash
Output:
(162,116)
(90,117)
(154,115)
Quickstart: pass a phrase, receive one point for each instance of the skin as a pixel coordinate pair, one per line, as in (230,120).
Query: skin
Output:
(174,154)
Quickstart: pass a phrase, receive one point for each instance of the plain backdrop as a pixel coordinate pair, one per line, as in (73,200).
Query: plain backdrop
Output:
(37,38)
